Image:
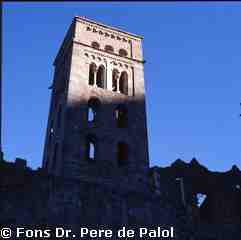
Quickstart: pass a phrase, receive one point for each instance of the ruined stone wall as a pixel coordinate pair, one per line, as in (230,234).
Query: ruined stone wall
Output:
(33,197)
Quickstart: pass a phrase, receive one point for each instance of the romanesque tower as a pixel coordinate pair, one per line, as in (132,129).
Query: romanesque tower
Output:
(97,119)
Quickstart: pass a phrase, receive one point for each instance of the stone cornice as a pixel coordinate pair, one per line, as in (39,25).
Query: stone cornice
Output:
(127,34)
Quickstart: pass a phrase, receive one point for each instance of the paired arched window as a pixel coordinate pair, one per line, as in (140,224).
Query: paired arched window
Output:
(92,71)
(120,84)
(93,107)
(98,75)
(123,52)
(123,83)
(91,148)
(100,78)
(122,154)
(95,45)
(121,116)
(109,48)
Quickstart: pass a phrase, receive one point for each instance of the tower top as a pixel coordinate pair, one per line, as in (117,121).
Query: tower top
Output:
(85,32)
(82,18)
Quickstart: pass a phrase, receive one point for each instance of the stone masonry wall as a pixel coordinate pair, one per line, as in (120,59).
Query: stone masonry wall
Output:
(32,197)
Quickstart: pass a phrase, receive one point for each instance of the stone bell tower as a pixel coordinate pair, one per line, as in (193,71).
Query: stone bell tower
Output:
(97,119)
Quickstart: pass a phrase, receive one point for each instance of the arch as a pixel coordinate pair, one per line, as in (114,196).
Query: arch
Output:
(95,45)
(100,78)
(93,106)
(121,116)
(115,73)
(91,148)
(92,70)
(109,48)
(123,52)
(123,83)
(122,154)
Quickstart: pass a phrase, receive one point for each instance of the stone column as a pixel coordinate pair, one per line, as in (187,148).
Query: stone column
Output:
(95,76)
(117,82)
(116,77)
(108,75)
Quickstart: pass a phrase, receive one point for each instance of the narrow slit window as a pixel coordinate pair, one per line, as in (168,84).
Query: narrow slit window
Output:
(93,107)
(91,114)
(121,116)
(91,149)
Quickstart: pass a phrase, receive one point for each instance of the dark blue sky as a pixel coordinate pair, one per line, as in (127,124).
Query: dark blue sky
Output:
(192,75)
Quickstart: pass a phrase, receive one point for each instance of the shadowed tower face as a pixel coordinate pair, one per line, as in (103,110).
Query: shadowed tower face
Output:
(97,119)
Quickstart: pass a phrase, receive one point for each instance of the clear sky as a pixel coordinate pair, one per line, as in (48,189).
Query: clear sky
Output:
(192,75)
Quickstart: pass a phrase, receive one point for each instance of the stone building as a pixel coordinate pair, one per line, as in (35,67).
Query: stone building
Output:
(97,120)
(95,165)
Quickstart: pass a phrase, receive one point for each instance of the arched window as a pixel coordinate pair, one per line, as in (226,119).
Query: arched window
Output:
(93,106)
(95,45)
(91,148)
(121,116)
(123,83)
(92,71)
(114,80)
(109,48)
(100,79)
(123,52)
(122,154)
